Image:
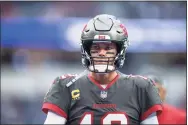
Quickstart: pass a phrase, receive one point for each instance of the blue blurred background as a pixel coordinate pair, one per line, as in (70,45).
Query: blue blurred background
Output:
(40,41)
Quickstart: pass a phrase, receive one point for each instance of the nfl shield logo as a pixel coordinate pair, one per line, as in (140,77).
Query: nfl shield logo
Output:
(103,94)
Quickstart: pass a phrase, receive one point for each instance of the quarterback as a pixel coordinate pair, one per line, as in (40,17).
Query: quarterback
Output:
(102,94)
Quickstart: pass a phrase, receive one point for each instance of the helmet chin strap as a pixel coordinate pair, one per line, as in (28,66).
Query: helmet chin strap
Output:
(101,68)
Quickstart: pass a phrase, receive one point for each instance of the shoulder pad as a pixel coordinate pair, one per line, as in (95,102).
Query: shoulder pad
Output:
(56,80)
(67,76)
(124,76)
(140,81)
(75,79)
(144,77)
(63,77)
(138,76)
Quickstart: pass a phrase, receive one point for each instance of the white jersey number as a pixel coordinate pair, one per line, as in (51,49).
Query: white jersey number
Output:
(108,118)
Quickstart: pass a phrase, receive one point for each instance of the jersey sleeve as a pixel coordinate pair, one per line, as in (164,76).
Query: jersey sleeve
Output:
(149,99)
(57,98)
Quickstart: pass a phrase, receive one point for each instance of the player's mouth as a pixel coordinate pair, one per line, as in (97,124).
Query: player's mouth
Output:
(97,63)
(101,61)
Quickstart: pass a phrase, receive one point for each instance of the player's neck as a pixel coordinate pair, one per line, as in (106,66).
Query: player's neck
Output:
(104,78)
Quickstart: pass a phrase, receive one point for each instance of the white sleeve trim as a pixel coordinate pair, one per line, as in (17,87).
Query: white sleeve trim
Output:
(53,118)
(151,119)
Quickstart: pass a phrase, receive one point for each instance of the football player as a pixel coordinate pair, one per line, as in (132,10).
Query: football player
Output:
(101,94)
(170,114)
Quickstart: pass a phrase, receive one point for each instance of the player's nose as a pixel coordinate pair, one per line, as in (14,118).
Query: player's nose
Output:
(102,52)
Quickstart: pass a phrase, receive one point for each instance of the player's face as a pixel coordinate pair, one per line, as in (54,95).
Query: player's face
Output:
(162,91)
(104,52)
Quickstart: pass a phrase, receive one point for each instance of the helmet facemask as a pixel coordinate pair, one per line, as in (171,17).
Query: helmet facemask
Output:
(102,64)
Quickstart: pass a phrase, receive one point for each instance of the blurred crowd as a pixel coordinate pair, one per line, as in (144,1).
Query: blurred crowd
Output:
(26,74)
(128,9)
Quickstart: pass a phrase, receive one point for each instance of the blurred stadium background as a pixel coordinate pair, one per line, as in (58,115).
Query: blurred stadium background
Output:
(40,41)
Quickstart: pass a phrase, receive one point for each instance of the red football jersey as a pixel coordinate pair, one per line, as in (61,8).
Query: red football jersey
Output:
(172,115)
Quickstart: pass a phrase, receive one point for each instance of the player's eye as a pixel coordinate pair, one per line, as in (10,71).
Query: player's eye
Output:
(109,47)
(95,47)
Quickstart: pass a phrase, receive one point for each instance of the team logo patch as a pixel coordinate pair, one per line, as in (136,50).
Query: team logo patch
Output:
(102,37)
(75,94)
(103,94)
